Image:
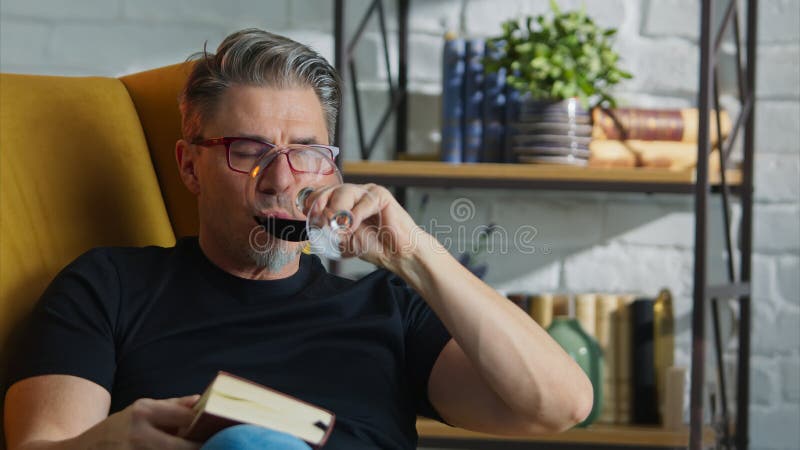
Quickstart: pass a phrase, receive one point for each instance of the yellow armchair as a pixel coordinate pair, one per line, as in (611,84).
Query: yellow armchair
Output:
(84,162)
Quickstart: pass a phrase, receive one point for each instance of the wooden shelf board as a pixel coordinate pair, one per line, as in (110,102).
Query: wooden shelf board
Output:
(442,172)
(599,434)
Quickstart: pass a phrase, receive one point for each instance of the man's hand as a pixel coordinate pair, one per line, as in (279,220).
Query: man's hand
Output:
(144,425)
(148,424)
(384,231)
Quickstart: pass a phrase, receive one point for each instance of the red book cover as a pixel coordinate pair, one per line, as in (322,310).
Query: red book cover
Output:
(655,124)
(206,424)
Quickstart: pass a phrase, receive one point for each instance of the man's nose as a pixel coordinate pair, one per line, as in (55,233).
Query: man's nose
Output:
(278,176)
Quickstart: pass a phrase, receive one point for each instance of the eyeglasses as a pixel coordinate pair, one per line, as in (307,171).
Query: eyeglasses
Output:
(242,154)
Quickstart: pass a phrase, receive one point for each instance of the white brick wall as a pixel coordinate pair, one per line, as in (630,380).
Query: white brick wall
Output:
(764,286)
(764,381)
(775,228)
(663,221)
(778,71)
(779,21)
(670,18)
(622,268)
(55,10)
(776,126)
(775,427)
(81,45)
(435,17)
(788,281)
(233,13)
(35,36)
(565,223)
(777,177)
(585,241)
(666,66)
(790,370)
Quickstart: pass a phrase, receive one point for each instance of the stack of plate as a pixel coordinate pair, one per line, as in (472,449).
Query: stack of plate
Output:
(551,133)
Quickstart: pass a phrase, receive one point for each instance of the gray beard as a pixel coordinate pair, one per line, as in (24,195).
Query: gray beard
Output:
(273,255)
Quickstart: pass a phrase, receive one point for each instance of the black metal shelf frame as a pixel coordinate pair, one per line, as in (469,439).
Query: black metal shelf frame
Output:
(731,433)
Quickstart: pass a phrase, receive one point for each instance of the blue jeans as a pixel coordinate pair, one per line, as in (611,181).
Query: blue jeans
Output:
(251,437)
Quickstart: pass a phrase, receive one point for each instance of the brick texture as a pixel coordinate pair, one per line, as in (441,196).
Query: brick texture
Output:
(583,241)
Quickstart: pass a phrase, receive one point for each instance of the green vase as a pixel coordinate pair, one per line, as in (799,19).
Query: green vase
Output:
(586,352)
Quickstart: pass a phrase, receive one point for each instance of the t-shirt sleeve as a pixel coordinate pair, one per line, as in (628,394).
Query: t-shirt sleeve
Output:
(425,338)
(71,329)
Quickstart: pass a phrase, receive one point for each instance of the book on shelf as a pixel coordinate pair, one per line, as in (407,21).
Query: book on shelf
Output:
(230,400)
(644,408)
(636,336)
(663,343)
(605,328)
(494,105)
(521,300)
(477,108)
(452,145)
(670,155)
(674,386)
(623,350)
(540,308)
(585,309)
(561,305)
(653,138)
(655,124)
(473,101)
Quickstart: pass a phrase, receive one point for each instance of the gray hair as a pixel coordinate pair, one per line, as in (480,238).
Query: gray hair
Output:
(255,57)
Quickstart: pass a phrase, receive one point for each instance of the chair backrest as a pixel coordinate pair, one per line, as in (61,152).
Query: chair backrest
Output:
(75,173)
(155,95)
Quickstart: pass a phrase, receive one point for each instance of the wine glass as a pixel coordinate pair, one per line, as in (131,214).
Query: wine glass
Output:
(288,213)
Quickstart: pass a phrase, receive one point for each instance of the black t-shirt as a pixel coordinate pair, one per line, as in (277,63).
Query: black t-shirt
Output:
(160,322)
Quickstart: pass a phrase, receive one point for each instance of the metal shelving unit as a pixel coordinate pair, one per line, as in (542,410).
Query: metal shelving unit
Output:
(597,437)
(727,432)
(531,176)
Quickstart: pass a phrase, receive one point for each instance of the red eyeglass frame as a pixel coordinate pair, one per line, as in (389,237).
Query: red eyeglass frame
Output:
(228,140)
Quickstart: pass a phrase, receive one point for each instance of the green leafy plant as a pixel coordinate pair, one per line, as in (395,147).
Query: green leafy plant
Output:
(559,57)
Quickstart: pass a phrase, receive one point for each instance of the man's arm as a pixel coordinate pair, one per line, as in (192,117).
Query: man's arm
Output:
(63,412)
(501,372)
(52,408)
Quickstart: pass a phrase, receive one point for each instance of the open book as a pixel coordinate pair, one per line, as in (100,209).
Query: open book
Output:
(230,400)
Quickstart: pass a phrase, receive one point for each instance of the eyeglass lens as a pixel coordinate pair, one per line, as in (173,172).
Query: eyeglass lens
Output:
(306,159)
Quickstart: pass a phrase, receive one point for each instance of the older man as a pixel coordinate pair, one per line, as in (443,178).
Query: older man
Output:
(123,338)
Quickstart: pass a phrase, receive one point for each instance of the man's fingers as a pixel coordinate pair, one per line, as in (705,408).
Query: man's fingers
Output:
(187,401)
(166,414)
(366,206)
(318,199)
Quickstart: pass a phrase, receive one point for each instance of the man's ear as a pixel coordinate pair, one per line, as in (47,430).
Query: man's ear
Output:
(187,157)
